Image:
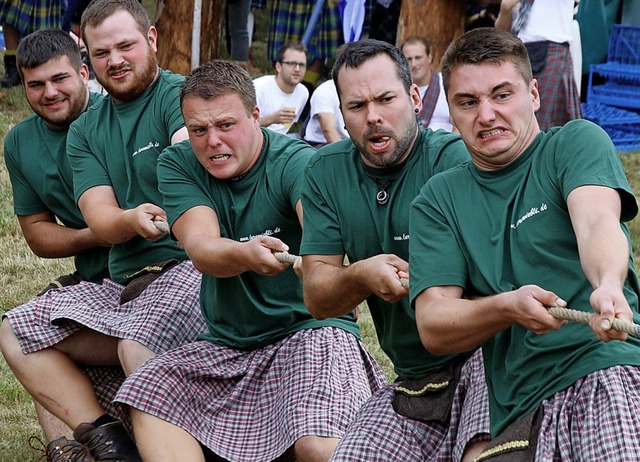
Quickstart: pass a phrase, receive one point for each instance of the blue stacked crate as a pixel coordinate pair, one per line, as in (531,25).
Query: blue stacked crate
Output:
(613,95)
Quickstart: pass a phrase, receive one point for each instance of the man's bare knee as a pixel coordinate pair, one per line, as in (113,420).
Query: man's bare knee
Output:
(9,344)
(314,448)
(132,354)
(473,450)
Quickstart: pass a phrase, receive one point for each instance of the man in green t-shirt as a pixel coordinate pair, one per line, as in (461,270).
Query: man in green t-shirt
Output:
(356,200)
(149,303)
(266,378)
(55,84)
(536,220)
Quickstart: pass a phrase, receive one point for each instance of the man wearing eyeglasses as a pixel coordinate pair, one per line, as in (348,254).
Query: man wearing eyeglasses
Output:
(281,97)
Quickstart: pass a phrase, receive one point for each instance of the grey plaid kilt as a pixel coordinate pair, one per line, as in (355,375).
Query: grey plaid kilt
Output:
(164,316)
(559,98)
(252,405)
(379,434)
(596,419)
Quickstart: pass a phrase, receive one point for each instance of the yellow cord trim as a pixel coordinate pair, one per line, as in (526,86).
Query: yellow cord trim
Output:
(56,283)
(427,387)
(521,444)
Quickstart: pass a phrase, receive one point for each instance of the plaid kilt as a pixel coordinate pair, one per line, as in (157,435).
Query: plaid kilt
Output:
(31,15)
(379,434)
(165,315)
(289,19)
(559,99)
(310,383)
(596,419)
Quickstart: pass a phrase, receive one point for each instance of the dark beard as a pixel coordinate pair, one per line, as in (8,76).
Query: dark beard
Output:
(403,142)
(73,114)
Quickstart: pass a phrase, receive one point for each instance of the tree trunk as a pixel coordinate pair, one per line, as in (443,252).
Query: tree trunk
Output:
(440,21)
(174,21)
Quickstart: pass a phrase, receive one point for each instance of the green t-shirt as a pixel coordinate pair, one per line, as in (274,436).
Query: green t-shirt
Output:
(118,145)
(249,310)
(342,216)
(42,181)
(491,232)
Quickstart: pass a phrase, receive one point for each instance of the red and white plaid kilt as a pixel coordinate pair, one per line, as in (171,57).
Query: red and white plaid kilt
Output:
(164,316)
(253,405)
(379,434)
(598,418)
(559,98)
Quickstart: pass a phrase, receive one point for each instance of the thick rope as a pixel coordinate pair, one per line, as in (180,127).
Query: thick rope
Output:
(285,257)
(556,311)
(161,225)
(583,317)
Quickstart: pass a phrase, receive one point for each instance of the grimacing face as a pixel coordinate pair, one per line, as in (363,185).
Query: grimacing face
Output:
(378,113)
(56,91)
(123,59)
(225,139)
(495,115)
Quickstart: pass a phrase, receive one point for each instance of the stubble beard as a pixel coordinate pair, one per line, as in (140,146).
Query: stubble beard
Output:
(403,142)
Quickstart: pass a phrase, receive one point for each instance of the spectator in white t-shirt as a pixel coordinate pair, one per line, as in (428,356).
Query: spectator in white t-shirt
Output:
(326,124)
(281,97)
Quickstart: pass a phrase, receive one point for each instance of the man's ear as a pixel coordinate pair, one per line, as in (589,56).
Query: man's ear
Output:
(152,38)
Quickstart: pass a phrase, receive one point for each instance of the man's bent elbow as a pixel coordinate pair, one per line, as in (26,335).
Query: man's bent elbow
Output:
(433,341)
(315,309)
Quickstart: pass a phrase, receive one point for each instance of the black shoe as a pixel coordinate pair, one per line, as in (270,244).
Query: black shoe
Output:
(108,442)
(61,450)
(11,77)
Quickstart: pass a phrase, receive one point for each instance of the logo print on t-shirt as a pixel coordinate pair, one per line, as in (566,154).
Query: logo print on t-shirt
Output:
(152,144)
(534,211)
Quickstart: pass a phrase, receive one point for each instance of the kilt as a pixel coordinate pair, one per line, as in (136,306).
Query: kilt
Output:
(31,15)
(559,99)
(309,383)
(598,418)
(165,315)
(379,434)
(289,19)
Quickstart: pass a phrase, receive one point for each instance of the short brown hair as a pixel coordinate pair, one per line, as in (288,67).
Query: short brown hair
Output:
(486,45)
(415,39)
(43,45)
(99,10)
(219,78)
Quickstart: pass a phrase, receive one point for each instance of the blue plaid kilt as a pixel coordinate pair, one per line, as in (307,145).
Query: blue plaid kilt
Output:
(164,316)
(598,418)
(559,98)
(310,383)
(31,15)
(379,434)
(289,19)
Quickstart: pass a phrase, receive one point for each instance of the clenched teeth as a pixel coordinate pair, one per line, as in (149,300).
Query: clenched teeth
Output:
(497,131)
(219,157)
